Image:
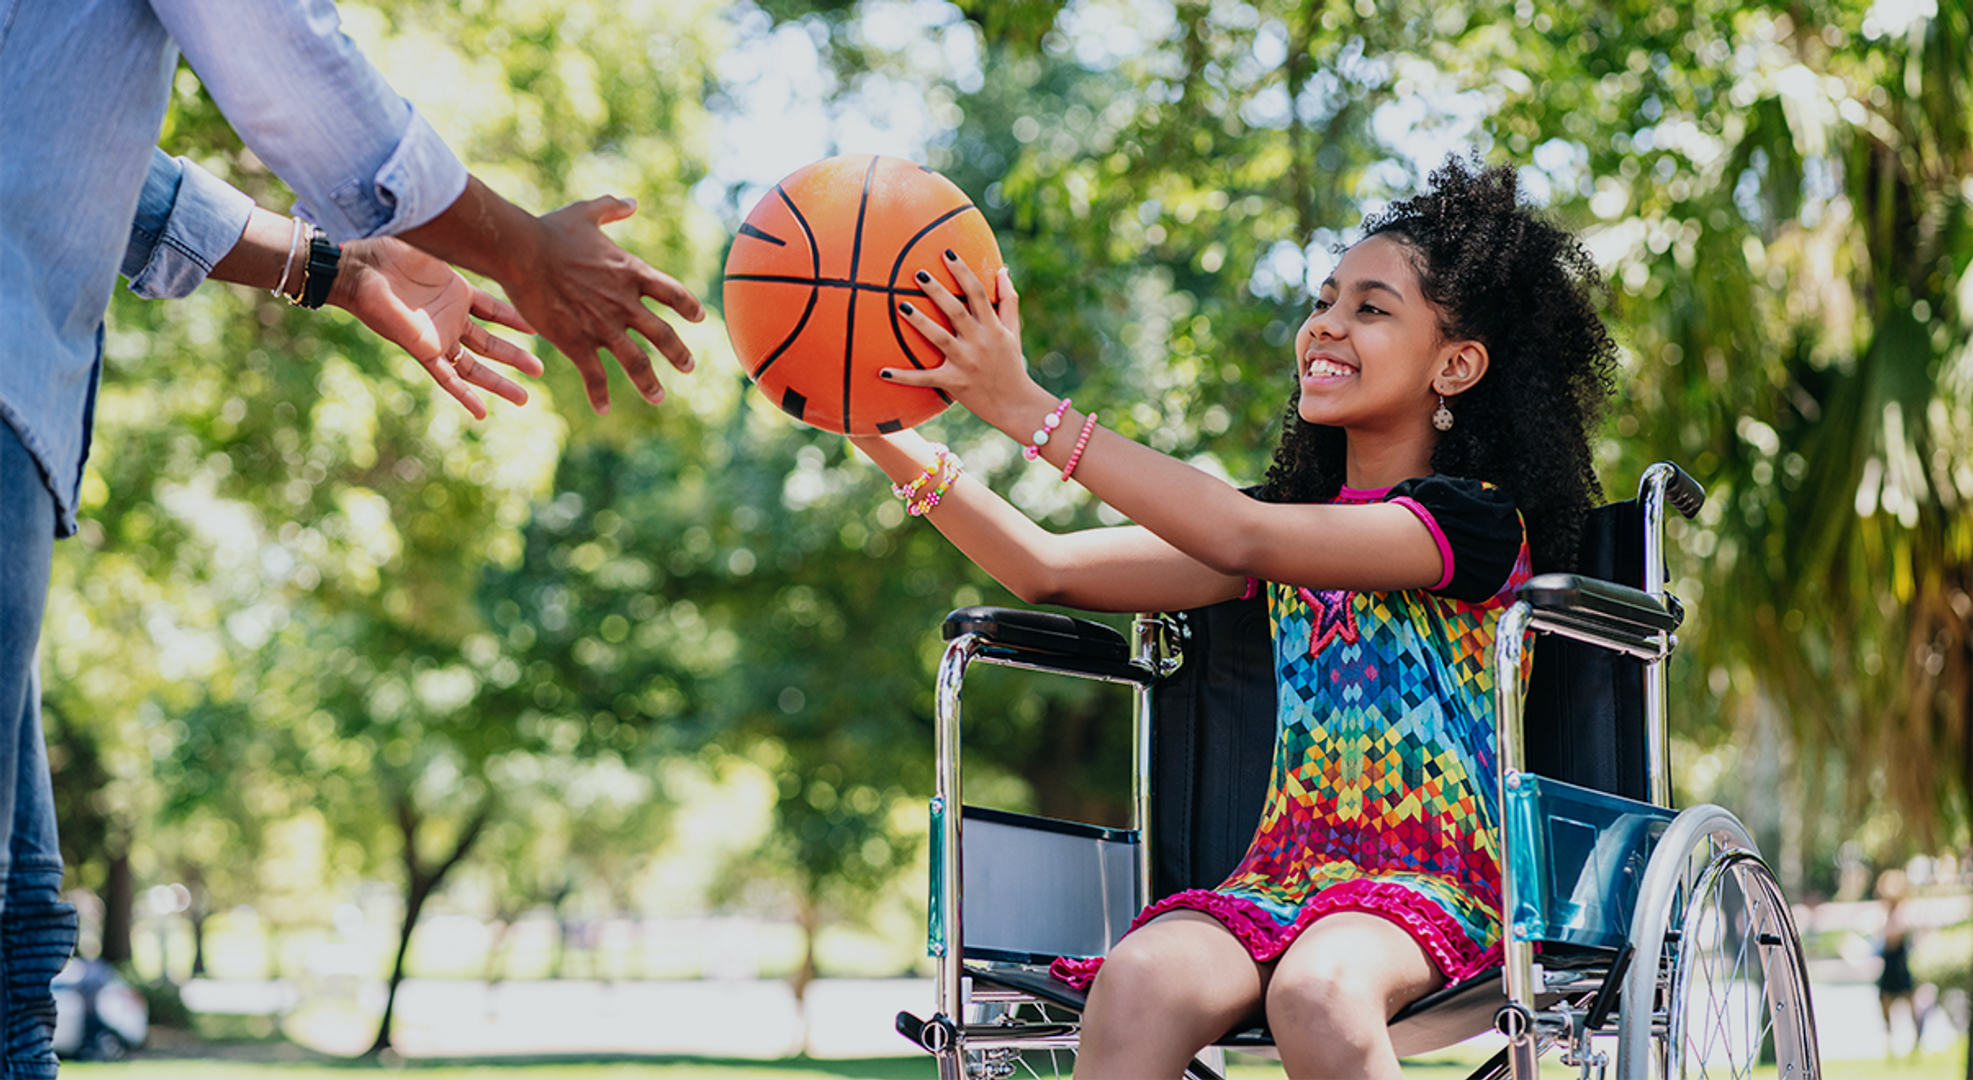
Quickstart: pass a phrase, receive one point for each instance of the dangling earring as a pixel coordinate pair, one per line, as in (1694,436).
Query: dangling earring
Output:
(1442,418)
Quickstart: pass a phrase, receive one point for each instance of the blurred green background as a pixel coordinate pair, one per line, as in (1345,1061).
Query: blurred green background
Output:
(341,685)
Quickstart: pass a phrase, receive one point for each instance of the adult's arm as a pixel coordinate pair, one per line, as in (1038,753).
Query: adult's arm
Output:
(190,225)
(364,164)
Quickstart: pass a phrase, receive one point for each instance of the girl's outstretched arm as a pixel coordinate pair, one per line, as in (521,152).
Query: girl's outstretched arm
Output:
(1115,569)
(1378,547)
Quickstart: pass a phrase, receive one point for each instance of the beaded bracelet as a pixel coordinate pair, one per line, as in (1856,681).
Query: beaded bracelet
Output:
(1075,456)
(908,492)
(1048,425)
(953,467)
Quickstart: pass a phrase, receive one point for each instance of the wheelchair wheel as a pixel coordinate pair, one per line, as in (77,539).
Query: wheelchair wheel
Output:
(1023,1064)
(1739,1002)
(1729,996)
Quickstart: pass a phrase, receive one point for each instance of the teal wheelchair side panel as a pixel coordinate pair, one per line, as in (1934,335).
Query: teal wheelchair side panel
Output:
(1581,859)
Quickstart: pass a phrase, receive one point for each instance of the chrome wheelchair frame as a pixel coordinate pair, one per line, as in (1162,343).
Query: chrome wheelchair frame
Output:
(1696,969)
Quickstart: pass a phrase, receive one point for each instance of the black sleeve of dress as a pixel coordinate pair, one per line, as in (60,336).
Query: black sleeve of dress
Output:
(1481,529)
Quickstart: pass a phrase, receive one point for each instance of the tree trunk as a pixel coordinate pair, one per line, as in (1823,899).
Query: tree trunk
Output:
(420,882)
(197,913)
(119,898)
(197,917)
(496,940)
(808,916)
(559,969)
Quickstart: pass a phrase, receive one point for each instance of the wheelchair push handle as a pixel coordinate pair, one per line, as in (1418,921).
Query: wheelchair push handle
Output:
(1686,495)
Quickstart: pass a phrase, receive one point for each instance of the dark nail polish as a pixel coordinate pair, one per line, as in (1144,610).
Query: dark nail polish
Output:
(906,307)
(884,374)
(924,278)
(950,255)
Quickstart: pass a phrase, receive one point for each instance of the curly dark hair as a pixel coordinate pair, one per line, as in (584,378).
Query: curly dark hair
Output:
(1503,275)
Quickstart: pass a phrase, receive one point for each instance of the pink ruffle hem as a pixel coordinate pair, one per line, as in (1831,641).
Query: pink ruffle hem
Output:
(1436,932)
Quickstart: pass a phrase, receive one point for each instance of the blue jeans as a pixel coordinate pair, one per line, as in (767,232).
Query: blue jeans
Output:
(37,929)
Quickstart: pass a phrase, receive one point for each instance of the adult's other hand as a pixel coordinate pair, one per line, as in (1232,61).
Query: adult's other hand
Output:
(418,302)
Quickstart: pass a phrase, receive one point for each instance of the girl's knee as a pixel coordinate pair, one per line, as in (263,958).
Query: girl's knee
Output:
(1317,988)
(1137,969)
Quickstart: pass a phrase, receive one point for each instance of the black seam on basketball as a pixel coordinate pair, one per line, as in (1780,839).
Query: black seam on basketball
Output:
(814,252)
(814,291)
(897,267)
(748,228)
(855,260)
(807,310)
(824,283)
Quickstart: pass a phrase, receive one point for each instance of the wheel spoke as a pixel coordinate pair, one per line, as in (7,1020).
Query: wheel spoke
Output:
(1735,986)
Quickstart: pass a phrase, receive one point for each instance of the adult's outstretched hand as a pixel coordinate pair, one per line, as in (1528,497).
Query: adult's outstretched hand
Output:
(426,308)
(570,281)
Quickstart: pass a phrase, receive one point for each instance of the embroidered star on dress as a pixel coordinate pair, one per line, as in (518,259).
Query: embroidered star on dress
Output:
(1332,616)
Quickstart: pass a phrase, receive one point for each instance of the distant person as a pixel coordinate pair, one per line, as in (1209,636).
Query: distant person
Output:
(1894,981)
(84,86)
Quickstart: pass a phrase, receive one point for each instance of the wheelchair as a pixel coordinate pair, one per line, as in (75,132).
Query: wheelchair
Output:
(1625,921)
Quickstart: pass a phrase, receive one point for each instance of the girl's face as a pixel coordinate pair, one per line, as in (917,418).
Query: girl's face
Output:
(1368,352)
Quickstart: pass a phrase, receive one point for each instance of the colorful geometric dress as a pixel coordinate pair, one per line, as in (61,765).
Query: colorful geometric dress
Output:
(1382,796)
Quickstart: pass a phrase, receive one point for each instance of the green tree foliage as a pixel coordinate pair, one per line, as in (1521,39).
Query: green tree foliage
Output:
(1787,196)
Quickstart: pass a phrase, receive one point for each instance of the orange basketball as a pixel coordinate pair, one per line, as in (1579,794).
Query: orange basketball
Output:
(815,277)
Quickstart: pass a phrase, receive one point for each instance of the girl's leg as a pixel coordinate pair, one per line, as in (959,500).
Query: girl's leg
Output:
(1333,993)
(1168,989)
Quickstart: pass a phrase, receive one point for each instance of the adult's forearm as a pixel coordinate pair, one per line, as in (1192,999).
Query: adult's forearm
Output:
(481,231)
(262,254)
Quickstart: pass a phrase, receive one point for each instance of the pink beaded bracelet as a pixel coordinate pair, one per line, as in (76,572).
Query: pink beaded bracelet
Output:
(1041,435)
(1075,456)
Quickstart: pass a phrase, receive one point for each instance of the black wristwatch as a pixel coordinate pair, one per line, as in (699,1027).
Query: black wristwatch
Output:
(323,259)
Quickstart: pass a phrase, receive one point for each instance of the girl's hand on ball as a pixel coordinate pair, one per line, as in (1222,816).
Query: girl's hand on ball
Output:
(984,369)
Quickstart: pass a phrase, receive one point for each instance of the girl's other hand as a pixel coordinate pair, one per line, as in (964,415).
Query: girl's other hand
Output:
(984,369)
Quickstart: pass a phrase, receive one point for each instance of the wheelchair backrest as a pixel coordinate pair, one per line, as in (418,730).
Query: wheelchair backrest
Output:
(1212,736)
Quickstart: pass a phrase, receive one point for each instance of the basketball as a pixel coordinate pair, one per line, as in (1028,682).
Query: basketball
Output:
(814,280)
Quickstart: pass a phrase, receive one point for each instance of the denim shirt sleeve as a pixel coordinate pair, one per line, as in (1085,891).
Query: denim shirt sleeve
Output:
(305,100)
(187,220)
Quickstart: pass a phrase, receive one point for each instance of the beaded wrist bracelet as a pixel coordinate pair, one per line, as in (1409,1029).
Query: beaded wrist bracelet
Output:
(910,491)
(1075,456)
(952,467)
(1041,435)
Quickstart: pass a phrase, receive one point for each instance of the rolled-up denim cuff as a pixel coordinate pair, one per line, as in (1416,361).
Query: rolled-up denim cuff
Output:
(206,221)
(420,179)
(37,935)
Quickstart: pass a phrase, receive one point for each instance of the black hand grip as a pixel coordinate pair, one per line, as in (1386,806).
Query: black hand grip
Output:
(1683,492)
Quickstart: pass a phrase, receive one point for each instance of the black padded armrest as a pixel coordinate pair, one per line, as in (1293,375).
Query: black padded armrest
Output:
(1048,640)
(1602,612)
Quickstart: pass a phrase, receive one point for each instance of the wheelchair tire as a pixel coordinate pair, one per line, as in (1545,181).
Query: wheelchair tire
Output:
(1729,995)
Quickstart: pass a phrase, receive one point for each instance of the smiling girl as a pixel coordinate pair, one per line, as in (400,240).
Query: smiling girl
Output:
(1435,453)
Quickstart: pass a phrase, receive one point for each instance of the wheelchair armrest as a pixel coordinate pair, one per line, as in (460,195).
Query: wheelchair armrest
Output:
(1046,640)
(1602,612)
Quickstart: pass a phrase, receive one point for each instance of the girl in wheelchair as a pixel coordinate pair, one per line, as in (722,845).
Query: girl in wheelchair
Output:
(1434,454)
